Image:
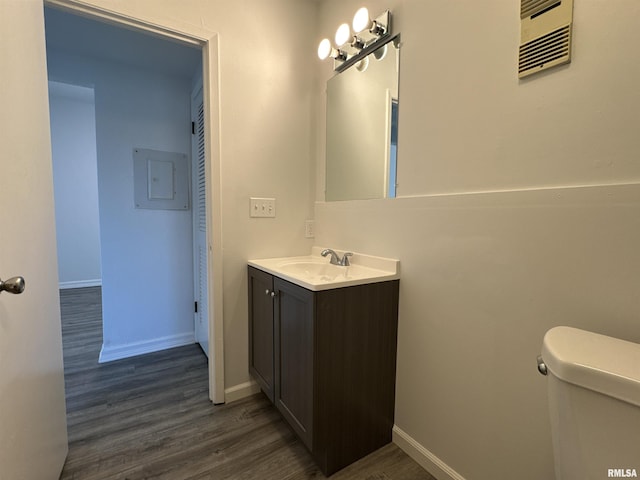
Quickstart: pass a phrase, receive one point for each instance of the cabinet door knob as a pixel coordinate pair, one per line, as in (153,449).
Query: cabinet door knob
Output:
(273,294)
(266,292)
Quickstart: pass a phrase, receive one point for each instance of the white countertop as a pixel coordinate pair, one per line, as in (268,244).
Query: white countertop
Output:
(315,273)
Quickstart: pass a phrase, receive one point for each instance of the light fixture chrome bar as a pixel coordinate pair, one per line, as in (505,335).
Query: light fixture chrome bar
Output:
(379,34)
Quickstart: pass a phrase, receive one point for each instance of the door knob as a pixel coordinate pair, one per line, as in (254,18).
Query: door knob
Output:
(14,285)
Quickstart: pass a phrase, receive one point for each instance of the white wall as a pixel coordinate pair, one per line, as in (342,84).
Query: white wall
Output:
(75,176)
(266,119)
(521,211)
(147,267)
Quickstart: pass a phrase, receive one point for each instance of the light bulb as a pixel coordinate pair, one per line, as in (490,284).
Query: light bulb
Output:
(324,49)
(343,34)
(361,20)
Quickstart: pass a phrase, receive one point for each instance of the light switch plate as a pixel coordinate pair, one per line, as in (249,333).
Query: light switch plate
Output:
(262,207)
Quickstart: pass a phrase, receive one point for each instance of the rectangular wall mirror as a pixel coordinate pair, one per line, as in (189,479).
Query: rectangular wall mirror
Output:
(362,127)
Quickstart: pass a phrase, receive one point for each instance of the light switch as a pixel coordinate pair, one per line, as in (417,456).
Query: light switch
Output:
(262,207)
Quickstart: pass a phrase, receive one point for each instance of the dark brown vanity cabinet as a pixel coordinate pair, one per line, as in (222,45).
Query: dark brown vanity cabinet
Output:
(327,360)
(261,327)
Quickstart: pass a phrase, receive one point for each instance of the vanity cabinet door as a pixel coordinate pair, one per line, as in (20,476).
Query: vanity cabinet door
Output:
(294,312)
(261,330)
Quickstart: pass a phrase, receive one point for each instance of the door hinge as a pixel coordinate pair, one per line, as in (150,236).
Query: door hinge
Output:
(193,128)
(196,306)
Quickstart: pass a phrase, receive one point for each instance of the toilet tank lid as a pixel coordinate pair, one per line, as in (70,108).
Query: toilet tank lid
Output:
(604,364)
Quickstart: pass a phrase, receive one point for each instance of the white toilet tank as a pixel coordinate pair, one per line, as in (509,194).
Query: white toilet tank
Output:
(594,404)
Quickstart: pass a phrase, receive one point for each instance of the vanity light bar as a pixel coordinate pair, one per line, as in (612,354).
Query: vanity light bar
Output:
(352,44)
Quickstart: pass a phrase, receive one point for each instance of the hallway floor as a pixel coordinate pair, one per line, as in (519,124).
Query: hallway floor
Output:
(150,417)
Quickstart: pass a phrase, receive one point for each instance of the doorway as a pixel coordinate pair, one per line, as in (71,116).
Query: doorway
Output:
(208,50)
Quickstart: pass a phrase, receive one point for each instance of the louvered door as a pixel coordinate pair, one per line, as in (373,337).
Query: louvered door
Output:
(199,223)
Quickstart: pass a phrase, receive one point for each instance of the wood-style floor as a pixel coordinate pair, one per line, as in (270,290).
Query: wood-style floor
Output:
(150,417)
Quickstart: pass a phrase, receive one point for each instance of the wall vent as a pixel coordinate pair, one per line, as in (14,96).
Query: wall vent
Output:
(531,8)
(545,35)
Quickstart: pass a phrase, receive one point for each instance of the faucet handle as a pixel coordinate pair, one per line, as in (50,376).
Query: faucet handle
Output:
(345,259)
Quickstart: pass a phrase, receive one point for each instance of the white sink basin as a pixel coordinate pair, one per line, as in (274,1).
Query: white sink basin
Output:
(314,272)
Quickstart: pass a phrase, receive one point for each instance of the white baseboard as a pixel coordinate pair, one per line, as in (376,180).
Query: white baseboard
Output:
(424,457)
(81,284)
(242,390)
(117,352)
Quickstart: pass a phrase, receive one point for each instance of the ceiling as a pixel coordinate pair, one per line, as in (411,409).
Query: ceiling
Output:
(78,35)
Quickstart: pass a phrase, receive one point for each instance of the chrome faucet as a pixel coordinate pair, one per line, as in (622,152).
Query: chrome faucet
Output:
(335,258)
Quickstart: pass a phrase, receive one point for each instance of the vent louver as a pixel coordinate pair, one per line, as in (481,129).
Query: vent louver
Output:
(529,8)
(545,52)
(545,35)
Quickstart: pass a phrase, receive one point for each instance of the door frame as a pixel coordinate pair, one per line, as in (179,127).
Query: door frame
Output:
(208,42)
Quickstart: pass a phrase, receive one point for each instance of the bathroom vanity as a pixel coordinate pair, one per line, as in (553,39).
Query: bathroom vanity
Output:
(322,347)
